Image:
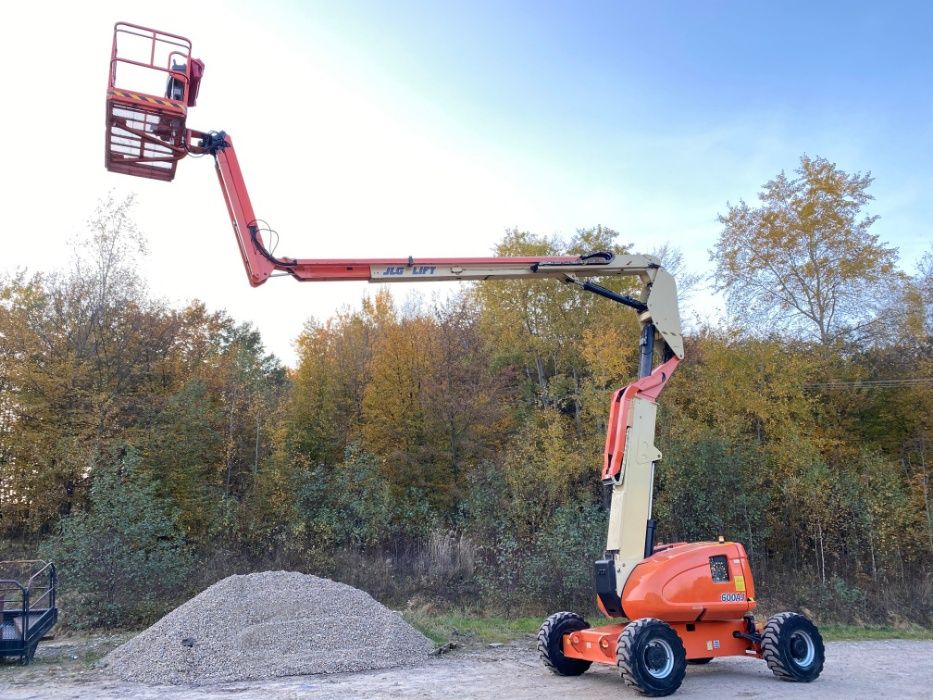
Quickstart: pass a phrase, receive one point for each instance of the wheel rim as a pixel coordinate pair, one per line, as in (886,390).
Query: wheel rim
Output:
(659,658)
(802,648)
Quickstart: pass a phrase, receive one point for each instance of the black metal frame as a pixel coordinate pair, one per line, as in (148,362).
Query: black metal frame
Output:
(35,621)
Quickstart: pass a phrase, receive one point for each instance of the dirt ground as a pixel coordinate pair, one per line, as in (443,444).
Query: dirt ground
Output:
(866,669)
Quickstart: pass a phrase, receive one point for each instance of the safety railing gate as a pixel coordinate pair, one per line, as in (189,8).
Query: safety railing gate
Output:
(27,606)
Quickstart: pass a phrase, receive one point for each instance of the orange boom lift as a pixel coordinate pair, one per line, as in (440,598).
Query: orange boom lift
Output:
(672,604)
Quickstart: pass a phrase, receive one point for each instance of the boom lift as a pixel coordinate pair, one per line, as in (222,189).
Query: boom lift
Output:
(686,603)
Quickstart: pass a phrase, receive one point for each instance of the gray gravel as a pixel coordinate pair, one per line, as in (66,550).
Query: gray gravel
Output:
(269,624)
(870,670)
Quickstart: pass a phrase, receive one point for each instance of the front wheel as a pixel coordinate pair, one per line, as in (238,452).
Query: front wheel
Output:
(551,640)
(793,648)
(651,657)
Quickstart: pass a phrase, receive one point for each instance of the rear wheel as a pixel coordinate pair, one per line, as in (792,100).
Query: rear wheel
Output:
(651,657)
(793,648)
(550,643)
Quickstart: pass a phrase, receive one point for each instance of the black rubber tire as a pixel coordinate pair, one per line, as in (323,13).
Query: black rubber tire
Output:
(637,652)
(550,639)
(700,662)
(793,648)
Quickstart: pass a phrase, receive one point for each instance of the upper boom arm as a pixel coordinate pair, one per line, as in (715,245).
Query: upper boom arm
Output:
(657,305)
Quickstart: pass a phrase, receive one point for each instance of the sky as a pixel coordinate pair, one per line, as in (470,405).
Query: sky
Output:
(403,128)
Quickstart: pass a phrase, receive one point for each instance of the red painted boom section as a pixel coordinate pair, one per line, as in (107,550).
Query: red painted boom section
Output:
(260,265)
(649,387)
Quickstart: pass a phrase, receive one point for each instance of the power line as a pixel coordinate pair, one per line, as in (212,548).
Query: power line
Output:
(871,383)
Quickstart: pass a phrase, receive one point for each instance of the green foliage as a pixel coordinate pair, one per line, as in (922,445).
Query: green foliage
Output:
(351,505)
(544,466)
(123,559)
(710,487)
(341,505)
(553,563)
(484,502)
(183,452)
(562,566)
(536,326)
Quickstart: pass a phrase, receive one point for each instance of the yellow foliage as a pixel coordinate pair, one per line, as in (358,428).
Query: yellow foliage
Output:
(544,467)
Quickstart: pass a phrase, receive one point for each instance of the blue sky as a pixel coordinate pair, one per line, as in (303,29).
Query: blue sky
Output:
(706,100)
(427,128)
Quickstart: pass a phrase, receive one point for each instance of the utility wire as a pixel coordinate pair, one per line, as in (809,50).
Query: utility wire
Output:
(871,383)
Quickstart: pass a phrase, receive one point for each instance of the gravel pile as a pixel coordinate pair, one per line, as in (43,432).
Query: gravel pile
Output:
(274,623)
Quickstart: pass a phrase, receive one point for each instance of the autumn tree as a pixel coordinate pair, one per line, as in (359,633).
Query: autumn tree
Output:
(399,425)
(805,261)
(325,406)
(80,348)
(465,395)
(536,325)
(920,297)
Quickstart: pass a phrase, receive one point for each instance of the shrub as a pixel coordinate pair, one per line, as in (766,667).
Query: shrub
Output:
(123,560)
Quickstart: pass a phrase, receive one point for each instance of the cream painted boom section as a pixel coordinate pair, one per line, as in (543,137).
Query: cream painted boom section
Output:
(436,269)
(659,291)
(630,508)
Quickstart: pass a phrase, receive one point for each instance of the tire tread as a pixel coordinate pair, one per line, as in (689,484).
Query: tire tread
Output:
(625,647)
(771,652)
(545,635)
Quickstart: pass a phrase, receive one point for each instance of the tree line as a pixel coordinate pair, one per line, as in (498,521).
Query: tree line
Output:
(446,451)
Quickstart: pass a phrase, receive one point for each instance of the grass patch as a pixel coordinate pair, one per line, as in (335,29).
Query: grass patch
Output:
(441,628)
(466,628)
(834,633)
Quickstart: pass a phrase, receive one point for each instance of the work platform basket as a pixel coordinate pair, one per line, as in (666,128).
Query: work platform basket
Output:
(153,80)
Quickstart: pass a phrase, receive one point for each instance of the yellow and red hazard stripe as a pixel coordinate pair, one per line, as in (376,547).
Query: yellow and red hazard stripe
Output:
(148,99)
